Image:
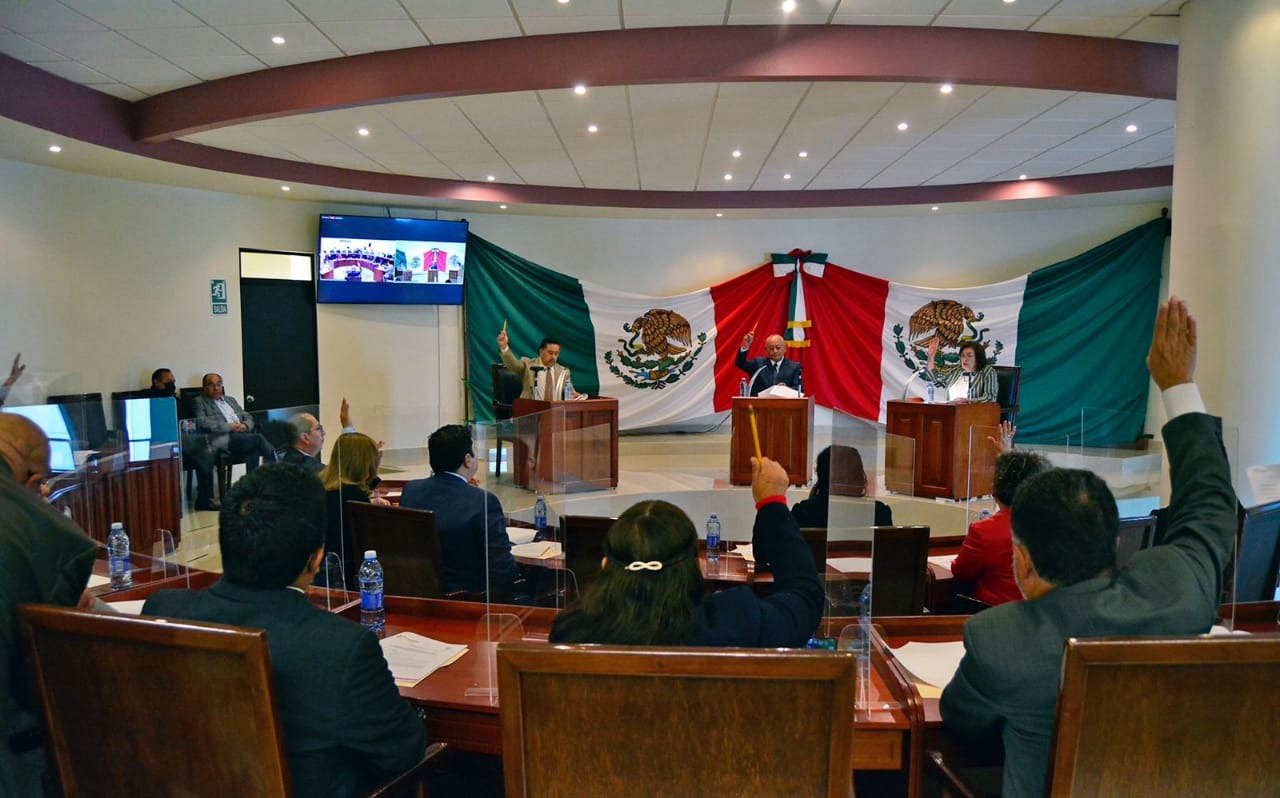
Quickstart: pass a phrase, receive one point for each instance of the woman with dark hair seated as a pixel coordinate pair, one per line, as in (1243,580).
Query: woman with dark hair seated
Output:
(651,589)
(812,512)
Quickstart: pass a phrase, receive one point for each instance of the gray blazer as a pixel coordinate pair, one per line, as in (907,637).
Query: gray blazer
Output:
(209,419)
(1007,683)
(520,366)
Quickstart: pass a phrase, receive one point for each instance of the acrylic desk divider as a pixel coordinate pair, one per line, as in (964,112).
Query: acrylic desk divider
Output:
(492,628)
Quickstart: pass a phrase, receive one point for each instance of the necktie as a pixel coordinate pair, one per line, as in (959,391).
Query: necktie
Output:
(547,395)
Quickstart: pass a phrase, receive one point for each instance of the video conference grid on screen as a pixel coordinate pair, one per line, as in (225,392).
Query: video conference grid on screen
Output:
(376,260)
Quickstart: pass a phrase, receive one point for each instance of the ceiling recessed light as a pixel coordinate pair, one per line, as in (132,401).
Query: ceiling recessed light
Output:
(903,126)
(718,215)
(580,88)
(787,176)
(277,40)
(491,178)
(788,6)
(737,153)
(1022,177)
(934,208)
(728,176)
(593,129)
(285,188)
(54,148)
(804,153)
(1131,129)
(364,131)
(1010,2)
(946,88)
(563,2)
(503,207)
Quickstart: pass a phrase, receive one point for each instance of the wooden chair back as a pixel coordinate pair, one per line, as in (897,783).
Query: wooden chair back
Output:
(1167,716)
(1135,535)
(124,698)
(631,721)
(899,569)
(407,544)
(582,537)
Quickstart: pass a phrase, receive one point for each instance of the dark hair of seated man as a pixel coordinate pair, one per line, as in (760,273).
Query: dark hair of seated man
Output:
(271,521)
(448,447)
(1014,468)
(1068,521)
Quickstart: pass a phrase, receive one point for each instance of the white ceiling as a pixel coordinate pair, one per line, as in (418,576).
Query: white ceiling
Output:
(668,137)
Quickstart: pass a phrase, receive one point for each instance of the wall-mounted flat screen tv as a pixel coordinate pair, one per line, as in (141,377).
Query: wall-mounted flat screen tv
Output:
(378,260)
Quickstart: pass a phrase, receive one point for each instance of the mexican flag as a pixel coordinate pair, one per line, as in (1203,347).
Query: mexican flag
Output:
(1079,329)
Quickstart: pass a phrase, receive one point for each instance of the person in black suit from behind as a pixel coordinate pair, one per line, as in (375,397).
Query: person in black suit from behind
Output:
(772,369)
(345,725)
(469,519)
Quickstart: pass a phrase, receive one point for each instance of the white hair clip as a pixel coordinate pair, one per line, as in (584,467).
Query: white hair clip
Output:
(640,565)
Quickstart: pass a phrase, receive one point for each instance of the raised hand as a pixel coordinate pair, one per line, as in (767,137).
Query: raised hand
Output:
(15,371)
(502,339)
(1005,443)
(768,478)
(748,338)
(1172,358)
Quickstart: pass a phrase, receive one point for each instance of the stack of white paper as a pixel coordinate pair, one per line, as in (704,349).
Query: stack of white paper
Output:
(931,663)
(850,565)
(520,534)
(943,560)
(538,550)
(413,657)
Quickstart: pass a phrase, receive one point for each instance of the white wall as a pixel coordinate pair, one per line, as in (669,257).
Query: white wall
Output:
(106,279)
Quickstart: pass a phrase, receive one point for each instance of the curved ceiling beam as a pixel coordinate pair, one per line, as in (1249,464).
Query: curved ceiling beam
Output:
(669,55)
(43,100)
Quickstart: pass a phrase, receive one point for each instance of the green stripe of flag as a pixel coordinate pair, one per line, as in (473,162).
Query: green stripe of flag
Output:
(1083,336)
(535,302)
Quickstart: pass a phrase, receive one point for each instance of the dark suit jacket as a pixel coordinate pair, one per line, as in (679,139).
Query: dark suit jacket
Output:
(303,459)
(345,725)
(787,372)
(471,526)
(1007,683)
(44,559)
(812,513)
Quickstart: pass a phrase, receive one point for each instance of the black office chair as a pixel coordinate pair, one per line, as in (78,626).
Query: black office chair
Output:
(85,416)
(1008,380)
(506,389)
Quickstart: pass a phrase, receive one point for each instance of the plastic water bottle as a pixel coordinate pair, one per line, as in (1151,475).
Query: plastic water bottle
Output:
(372,614)
(118,557)
(540,517)
(742,387)
(928,393)
(713,540)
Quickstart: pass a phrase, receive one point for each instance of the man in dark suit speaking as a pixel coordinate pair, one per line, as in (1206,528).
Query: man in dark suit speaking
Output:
(469,520)
(1064,545)
(772,369)
(345,725)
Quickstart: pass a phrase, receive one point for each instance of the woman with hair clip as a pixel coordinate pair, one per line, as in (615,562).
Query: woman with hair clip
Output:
(351,475)
(651,590)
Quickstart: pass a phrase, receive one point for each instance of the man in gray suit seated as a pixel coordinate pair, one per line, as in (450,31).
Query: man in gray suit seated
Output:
(229,427)
(1064,544)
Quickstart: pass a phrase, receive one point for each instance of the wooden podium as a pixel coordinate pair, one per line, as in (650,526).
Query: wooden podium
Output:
(786,427)
(942,439)
(568,446)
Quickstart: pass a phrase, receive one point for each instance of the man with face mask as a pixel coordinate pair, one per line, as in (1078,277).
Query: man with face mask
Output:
(196,452)
(44,559)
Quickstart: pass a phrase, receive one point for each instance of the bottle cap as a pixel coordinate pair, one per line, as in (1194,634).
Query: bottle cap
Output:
(713,515)
(117,525)
(371,555)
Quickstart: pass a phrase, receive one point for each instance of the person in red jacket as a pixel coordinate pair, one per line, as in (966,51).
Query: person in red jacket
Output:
(986,558)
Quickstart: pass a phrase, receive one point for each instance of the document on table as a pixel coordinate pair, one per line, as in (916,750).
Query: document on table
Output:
(96,580)
(413,657)
(744,551)
(127,607)
(538,550)
(520,534)
(943,560)
(850,565)
(931,665)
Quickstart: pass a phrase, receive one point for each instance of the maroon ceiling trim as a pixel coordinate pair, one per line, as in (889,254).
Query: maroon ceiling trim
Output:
(670,55)
(38,98)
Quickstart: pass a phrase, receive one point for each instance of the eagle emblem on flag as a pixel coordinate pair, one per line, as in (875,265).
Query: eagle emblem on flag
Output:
(660,351)
(953,324)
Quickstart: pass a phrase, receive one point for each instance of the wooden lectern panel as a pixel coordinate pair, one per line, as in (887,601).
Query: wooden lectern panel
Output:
(942,434)
(574,447)
(785,435)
